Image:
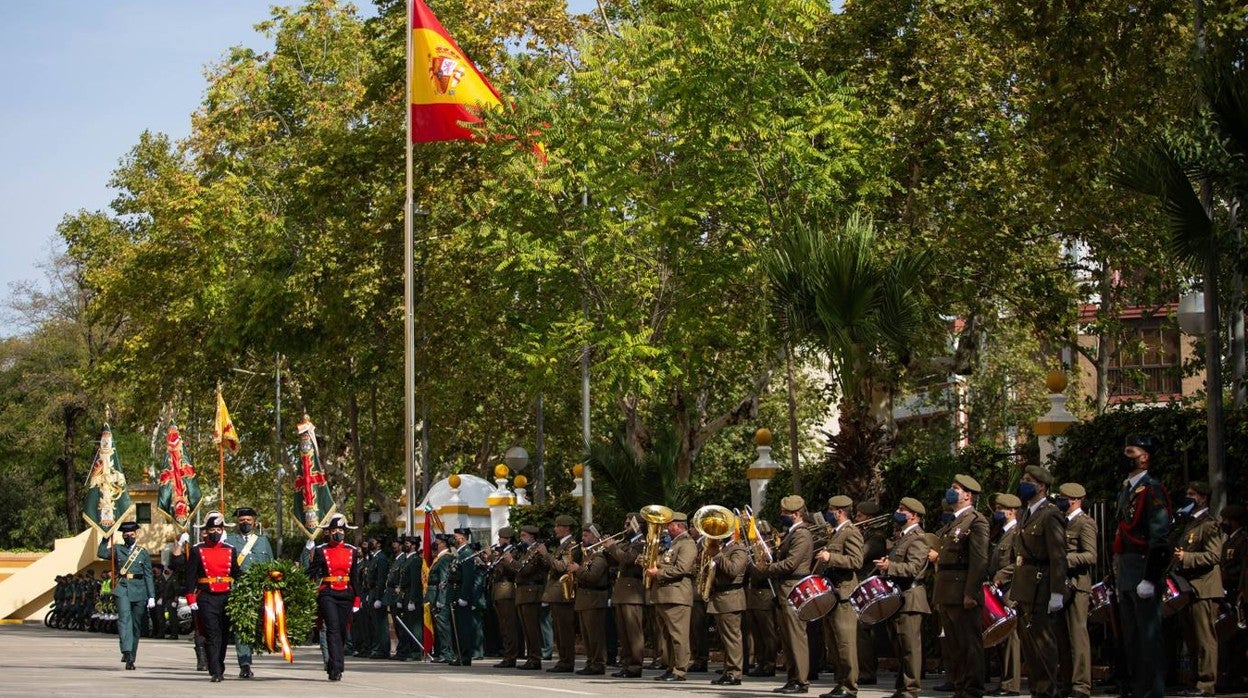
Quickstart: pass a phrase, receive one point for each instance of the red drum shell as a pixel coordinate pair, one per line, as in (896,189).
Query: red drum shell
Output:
(998,620)
(812,598)
(876,599)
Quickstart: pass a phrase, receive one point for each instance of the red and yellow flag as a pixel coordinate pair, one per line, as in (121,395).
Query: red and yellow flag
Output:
(223,433)
(447,89)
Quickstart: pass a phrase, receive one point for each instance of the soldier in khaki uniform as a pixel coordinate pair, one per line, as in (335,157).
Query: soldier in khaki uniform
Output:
(875,546)
(503,594)
(1039,579)
(1001,572)
(671,591)
(727,606)
(1197,558)
(792,563)
(905,566)
(593,585)
(629,597)
(528,568)
(760,607)
(843,557)
(1072,634)
(1232,649)
(699,623)
(562,615)
(961,570)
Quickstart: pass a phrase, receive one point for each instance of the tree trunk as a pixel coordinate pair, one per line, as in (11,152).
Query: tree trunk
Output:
(793,445)
(1108,308)
(1238,360)
(70,415)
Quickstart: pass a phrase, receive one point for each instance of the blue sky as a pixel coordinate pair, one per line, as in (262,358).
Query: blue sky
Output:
(81,79)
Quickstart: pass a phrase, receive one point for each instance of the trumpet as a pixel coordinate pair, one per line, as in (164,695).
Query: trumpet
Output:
(875,522)
(715,523)
(594,547)
(657,516)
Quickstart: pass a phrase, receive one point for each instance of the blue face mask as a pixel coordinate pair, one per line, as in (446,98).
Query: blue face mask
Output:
(998,516)
(899,518)
(786,520)
(829,517)
(951,496)
(1026,490)
(1063,504)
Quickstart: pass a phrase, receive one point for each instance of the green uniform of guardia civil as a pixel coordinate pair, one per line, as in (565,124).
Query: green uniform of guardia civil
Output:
(840,627)
(961,571)
(1201,542)
(435,596)
(1040,572)
(1072,639)
(260,553)
(375,573)
(132,589)
(463,596)
(415,618)
(398,595)
(1141,552)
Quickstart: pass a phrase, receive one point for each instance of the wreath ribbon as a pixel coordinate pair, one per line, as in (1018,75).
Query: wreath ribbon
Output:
(275,624)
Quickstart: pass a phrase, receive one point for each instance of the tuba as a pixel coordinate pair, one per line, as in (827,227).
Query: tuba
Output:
(657,516)
(715,523)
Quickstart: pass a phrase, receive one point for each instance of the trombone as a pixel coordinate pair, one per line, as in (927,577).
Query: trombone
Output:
(593,547)
(657,516)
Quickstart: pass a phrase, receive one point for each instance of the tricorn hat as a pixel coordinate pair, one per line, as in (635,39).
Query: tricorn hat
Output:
(338,521)
(214,520)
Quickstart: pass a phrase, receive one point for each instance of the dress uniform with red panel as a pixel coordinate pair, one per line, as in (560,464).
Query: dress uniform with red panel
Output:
(210,574)
(337,565)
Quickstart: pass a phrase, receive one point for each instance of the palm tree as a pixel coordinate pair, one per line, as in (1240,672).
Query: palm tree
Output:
(837,292)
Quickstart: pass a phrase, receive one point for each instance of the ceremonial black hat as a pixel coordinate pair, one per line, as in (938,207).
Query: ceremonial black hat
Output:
(129,527)
(244,511)
(1144,441)
(465,532)
(338,521)
(214,520)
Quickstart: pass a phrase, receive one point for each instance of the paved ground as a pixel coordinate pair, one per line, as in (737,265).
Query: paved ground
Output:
(43,662)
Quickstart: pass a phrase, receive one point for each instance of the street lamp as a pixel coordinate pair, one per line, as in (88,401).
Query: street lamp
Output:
(516,458)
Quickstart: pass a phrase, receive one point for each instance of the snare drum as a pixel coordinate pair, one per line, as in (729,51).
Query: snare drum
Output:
(875,599)
(1174,600)
(1100,602)
(998,620)
(1227,624)
(812,598)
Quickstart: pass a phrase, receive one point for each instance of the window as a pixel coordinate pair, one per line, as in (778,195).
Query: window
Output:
(1146,362)
(143,513)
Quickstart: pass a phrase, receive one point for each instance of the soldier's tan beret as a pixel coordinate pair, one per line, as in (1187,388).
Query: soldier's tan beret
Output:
(1008,501)
(868,507)
(1073,490)
(840,501)
(914,505)
(506,532)
(968,483)
(565,520)
(792,502)
(1040,474)
(680,516)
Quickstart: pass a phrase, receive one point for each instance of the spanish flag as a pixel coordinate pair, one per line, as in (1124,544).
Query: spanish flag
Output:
(446,88)
(223,433)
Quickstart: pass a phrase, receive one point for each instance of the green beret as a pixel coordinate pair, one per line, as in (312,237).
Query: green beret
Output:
(840,501)
(792,502)
(680,517)
(565,520)
(869,507)
(1073,490)
(914,505)
(506,532)
(1040,474)
(1200,487)
(968,483)
(1008,501)
(531,530)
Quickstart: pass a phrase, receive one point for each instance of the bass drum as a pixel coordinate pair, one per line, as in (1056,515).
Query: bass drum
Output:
(998,620)
(812,598)
(875,599)
(1228,622)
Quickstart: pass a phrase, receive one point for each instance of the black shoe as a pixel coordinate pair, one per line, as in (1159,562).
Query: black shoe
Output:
(530,666)
(454,663)
(506,664)
(697,668)
(838,693)
(556,669)
(793,688)
(670,677)
(591,672)
(999,693)
(245,672)
(130,665)
(335,676)
(761,672)
(656,663)
(201,666)
(868,681)
(626,674)
(217,678)
(726,681)
(378,656)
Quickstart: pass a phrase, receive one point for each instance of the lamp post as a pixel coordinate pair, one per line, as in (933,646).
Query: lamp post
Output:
(1195,318)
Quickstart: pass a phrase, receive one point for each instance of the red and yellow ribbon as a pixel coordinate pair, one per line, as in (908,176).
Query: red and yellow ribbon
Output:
(275,621)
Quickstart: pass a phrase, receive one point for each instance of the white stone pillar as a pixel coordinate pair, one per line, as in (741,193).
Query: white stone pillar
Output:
(522,497)
(499,501)
(761,470)
(1051,427)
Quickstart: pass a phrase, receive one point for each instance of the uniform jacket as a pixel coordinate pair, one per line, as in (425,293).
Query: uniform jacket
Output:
(907,563)
(793,559)
(1001,563)
(435,592)
(845,556)
(261,551)
(1080,551)
(759,592)
(1141,545)
(962,567)
(593,583)
(503,578)
(874,547)
(629,587)
(377,572)
(677,568)
(1040,552)
(1201,541)
(728,592)
(529,570)
(214,562)
(141,586)
(1233,562)
(461,578)
(557,564)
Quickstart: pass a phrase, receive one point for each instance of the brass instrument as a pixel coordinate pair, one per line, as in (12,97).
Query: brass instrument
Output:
(760,551)
(715,523)
(567,581)
(657,516)
(876,522)
(593,547)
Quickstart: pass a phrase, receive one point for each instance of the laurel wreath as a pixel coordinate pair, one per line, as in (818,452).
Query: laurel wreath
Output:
(246,604)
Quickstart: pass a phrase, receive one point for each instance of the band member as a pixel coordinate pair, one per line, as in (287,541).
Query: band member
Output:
(961,570)
(562,615)
(1072,634)
(503,594)
(875,546)
(792,563)
(1197,552)
(133,587)
(253,549)
(727,607)
(461,598)
(629,597)
(337,565)
(1232,569)
(528,567)
(1001,572)
(1039,579)
(905,566)
(210,574)
(593,585)
(699,623)
(1141,554)
(760,605)
(671,590)
(842,557)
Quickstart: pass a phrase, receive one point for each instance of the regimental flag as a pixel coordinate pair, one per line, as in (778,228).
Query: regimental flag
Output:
(314,503)
(446,88)
(107,502)
(179,495)
(431,520)
(223,432)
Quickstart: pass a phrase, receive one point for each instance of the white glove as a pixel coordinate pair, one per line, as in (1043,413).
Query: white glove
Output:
(1055,603)
(1145,589)
(461,603)
(377,603)
(184,538)
(151,603)
(310,544)
(194,607)
(411,607)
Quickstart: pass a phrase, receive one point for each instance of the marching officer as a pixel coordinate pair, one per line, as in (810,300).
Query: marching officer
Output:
(671,591)
(1197,554)
(503,594)
(1039,579)
(843,558)
(461,596)
(133,587)
(904,566)
(1001,572)
(760,606)
(210,574)
(252,549)
(961,570)
(792,563)
(1072,635)
(562,615)
(727,606)
(376,572)
(529,570)
(336,564)
(629,597)
(435,596)
(1141,554)
(875,546)
(593,586)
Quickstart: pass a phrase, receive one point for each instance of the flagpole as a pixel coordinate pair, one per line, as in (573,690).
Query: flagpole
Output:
(409,329)
(220,452)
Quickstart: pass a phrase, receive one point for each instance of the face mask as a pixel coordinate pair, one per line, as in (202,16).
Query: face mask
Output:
(951,496)
(214,536)
(786,520)
(1026,490)
(829,517)
(1063,504)
(998,516)
(1126,464)
(899,518)
(129,540)
(1187,504)
(338,537)
(946,517)
(244,528)
(666,541)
